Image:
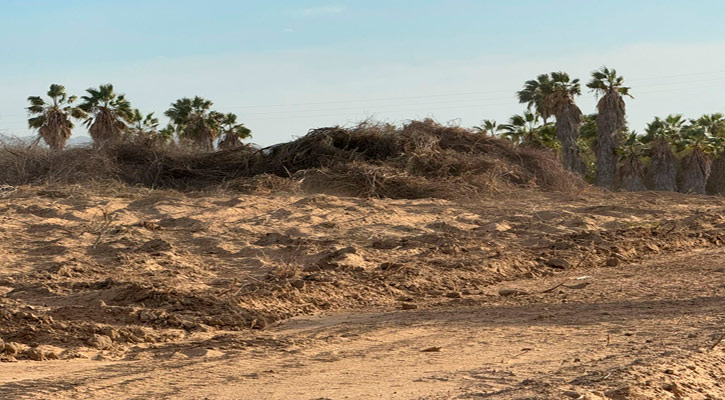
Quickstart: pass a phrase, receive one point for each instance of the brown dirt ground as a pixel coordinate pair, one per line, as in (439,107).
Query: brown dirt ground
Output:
(133,293)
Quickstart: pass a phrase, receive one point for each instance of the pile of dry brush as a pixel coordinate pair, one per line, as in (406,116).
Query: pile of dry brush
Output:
(420,159)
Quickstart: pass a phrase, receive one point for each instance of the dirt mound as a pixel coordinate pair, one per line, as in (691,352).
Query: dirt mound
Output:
(420,159)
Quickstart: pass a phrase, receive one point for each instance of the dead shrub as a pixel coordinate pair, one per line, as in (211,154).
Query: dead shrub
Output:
(21,165)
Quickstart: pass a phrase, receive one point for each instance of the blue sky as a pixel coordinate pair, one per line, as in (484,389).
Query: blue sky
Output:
(287,66)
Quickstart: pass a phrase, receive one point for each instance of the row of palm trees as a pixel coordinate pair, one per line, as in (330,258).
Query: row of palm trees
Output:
(596,145)
(599,145)
(553,95)
(110,119)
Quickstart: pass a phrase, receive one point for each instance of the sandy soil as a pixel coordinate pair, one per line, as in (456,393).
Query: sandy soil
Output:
(150,294)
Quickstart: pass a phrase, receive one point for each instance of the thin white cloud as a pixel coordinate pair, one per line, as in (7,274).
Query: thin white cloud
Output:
(317,11)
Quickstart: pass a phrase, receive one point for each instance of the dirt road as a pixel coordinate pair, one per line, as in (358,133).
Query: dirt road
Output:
(639,331)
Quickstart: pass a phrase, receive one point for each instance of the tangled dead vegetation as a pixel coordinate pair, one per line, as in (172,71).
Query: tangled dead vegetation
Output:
(419,159)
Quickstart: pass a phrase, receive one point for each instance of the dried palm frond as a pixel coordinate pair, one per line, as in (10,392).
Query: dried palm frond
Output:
(230,141)
(106,129)
(695,171)
(610,120)
(56,130)
(568,122)
(716,181)
(631,175)
(662,171)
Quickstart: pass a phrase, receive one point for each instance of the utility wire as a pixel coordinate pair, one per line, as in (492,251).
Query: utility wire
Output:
(286,114)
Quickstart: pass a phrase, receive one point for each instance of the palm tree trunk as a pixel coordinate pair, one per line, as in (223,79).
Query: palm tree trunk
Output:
(609,121)
(662,171)
(568,122)
(695,171)
(716,181)
(606,160)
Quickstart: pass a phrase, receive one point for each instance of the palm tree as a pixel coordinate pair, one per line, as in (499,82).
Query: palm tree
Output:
(52,120)
(534,95)
(144,127)
(520,128)
(631,170)
(108,111)
(588,130)
(714,124)
(697,143)
(660,135)
(166,135)
(587,142)
(195,121)
(610,120)
(674,123)
(716,181)
(488,127)
(233,132)
(142,124)
(523,129)
(554,95)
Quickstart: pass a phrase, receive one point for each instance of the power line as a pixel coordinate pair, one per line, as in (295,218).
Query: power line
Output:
(286,113)
(380,108)
(466,93)
(682,83)
(353,101)
(375,105)
(372,99)
(679,75)
(377,112)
